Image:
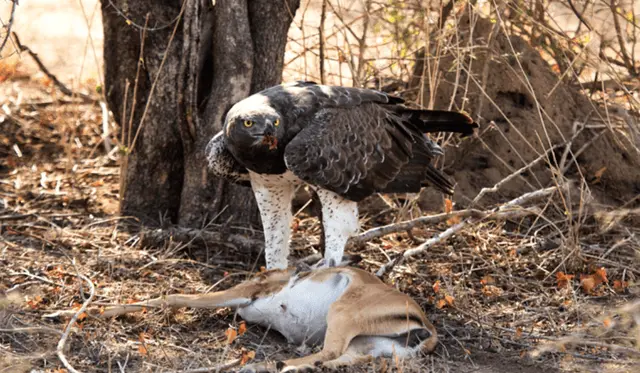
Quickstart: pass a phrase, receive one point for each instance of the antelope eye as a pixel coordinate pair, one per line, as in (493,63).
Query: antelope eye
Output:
(276,123)
(248,123)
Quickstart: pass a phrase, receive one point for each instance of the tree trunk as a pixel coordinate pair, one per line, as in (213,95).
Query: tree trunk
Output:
(215,56)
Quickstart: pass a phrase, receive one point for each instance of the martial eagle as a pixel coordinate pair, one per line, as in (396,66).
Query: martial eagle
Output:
(345,143)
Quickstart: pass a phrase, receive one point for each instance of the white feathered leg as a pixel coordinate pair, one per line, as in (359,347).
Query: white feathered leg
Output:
(340,221)
(273,194)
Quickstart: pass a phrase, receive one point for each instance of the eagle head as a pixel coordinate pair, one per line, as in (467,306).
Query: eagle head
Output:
(253,125)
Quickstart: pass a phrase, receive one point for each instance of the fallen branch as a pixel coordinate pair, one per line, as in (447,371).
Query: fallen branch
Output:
(158,237)
(410,224)
(532,196)
(63,88)
(513,175)
(74,318)
(31,329)
(430,242)
(505,211)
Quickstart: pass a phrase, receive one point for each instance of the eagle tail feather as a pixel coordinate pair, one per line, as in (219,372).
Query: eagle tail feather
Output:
(428,121)
(436,179)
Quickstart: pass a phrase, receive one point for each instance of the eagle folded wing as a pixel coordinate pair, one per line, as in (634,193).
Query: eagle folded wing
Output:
(353,152)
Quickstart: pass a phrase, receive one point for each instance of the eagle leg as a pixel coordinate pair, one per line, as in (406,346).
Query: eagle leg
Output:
(340,221)
(274,202)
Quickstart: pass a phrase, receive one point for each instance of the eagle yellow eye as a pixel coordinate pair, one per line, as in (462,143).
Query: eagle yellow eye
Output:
(276,123)
(248,123)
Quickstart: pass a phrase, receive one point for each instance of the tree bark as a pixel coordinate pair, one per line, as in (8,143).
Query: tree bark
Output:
(219,55)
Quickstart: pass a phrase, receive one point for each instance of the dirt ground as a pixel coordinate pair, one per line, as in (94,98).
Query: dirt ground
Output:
(494,290)
(59,191)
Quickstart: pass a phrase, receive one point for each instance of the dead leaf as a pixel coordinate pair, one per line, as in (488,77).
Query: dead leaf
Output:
(454,220)
(142,350)
(518,333)
(231,335)
(620,286)
(34,302)
(449,299)
(563,279)
(56,272)
(246,356)
(436,286)
(448,206)
(242,328)
(598,175)
(487,280)
(491,291)
(600,276)
(588,283)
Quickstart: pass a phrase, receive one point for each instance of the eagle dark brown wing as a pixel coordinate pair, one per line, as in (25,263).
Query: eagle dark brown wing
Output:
(358,151)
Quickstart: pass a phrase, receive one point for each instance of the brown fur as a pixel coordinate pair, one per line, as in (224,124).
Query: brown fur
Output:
(367,307)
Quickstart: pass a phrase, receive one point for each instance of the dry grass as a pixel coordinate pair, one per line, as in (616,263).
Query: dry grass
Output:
(58,221)
(497,290)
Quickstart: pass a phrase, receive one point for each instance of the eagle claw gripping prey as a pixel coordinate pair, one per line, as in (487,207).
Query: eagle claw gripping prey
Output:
(345,143)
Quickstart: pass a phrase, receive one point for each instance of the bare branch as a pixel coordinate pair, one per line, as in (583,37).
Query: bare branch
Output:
(63,88)
(9,24)
(627,59)
(323,17)
(579,15)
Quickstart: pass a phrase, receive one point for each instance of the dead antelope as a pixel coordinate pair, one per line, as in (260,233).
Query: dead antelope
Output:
(356,315)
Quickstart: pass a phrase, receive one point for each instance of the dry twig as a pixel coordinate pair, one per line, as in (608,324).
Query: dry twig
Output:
(158,237)
(71,324)
(9,24)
